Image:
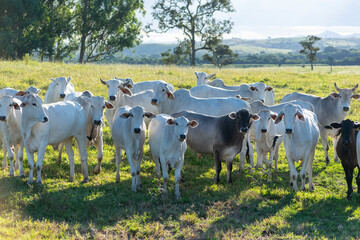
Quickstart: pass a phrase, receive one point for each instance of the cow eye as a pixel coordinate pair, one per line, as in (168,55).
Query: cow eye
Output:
(103,106)
(34,104)
(10,105)
(57,84)
(163,90)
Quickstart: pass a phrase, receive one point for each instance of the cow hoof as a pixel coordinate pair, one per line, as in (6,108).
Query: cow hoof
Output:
(327,161)
(303,189)
(22,176)
(71,179)
(11,174)
(311,188)
(177,196)
(39,183)
(86,180)
(97,170)
(117,180)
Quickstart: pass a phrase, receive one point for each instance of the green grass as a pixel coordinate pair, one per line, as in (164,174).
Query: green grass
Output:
(250,208)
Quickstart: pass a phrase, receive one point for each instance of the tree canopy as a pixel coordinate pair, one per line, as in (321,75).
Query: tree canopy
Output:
(308,48)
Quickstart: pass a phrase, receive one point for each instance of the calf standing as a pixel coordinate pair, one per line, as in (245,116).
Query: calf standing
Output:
(302,134)
(348,150)
(58,89)
(167,145)
(128,132)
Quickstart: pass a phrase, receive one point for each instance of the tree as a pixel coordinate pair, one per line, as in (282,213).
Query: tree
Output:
(106,27)
(178,56)
(19,26)
(331,62)
(309,49)
(195,19)
(221,55)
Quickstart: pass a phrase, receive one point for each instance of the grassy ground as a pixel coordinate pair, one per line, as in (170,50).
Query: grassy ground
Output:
(250,208)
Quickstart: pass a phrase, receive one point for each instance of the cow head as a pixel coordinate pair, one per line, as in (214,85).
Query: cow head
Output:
(347,129)
(181,125)
(202,78)
(136,116)
(30,89)
(60,86)
(32,108)
(243,119)
(344,96)
(161,94)
(98,105)
(266,117)
(8,104)
(116,84)
(289,115)
(258,91)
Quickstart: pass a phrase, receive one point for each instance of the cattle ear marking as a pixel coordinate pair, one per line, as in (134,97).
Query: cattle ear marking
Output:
(102,81)
(23,104)
(279,117)
(125,91)
(269,88)
(252,88)
(245,98)
(170,95)
(170,121)
(149,115)
(336,125)
(328,127)
(211,75)
(356,96)
(300,116)
(16,106)
(20,93)
(232,115)
(39,90)
(193,124)
(125,115)
(108,105)
(334,95)
(273,116)
(254,117)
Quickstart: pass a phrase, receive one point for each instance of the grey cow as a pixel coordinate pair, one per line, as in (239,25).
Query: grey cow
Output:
(332,108)
(223,136)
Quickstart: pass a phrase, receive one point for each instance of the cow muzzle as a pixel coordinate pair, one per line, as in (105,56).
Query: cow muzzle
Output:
(62,95)
(45,119)
(244,130)
(2,118)
(346,142)
(263,130)
(112,98)
(182,137)
(346,109)
(97,122)
(288,130)
(137,130)
(154,101)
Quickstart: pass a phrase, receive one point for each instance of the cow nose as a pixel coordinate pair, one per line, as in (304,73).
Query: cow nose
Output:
(262,100)
(244,130)
(112,98)
(346,142)
(264,130)
(2,118)
(153,101)
(97,122)
(62,95)
(288,130)
(182,137)
(45,119)
(136,130)
(346,109)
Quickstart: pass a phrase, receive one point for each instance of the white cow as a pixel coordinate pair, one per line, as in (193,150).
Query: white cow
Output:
(58,89)
(10,116)
(268,139)
(269,94)
(48,124)
(94,107)
(128,132)
(300,139)
(167,145)
(202,78)
(8,92)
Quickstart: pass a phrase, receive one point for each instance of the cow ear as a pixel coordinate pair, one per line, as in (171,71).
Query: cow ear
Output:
(356,124)
(252,88)
(103,82)
(170,95)
(149,115)
(356,96)
(354,88)
(248,99)
(20,93)
(53,80)
(129,83)
(300,116)
(336,125)
(126,115)
(279,117)
(170,121)
(16,106)
(23,104)
(211,76)
(193,124)
(334,95)
(108,105)
(268,88)
(196,74)
(68,80)
(232,115)
(254,117)
(125,90)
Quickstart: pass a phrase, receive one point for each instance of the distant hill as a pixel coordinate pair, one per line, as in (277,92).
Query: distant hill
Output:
(271,45)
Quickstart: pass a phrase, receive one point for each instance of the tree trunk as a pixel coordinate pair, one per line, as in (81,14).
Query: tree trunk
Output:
(312,67)
(83,33)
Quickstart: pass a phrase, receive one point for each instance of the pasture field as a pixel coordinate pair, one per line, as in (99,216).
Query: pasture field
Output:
(251,208)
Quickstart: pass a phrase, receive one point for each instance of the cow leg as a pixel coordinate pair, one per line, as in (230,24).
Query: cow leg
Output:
(137,168)
(165,173)
(335,141)
(39,162)
(156,160)
(358,180)
(11,160)
(5,164)
(84,157)
(349,177)
(130,158)
(61,146)
(30,157)
(118,157)
(16,157)
(20,156)
(99,148)
(310,169)
(177,180)
(259,162)
(242,155)
(70,152)
(276,156)
(251,151)
(217,166)
(304,169)
(325,144)
(229,166)
(293,173)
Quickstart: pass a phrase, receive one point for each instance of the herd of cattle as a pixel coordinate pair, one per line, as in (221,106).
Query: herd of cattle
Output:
(210,118)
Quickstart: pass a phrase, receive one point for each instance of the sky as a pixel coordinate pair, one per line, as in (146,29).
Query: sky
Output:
(259,19)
